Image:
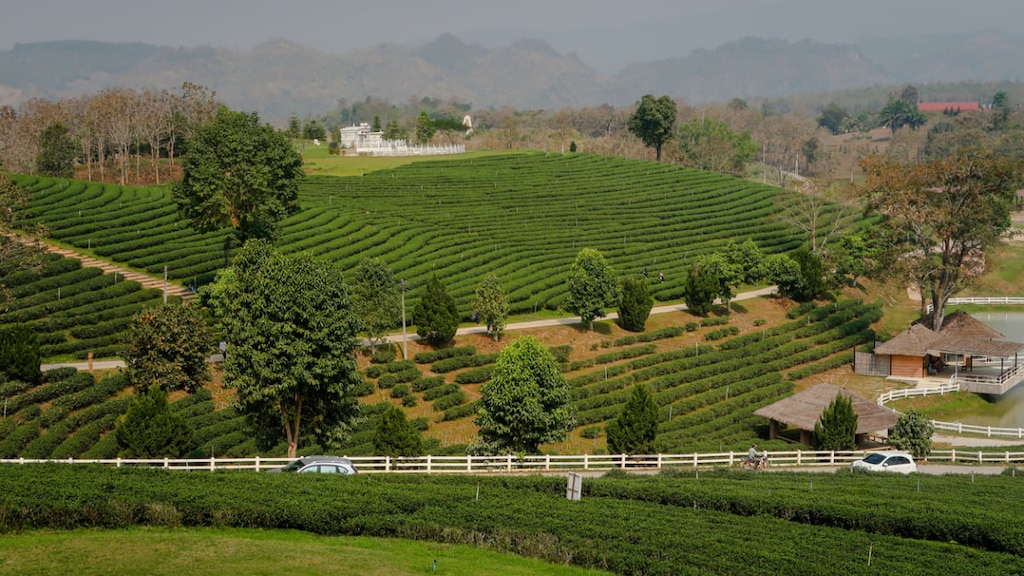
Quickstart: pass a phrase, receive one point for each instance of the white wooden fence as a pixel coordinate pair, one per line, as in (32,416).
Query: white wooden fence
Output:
(981,300)
(539,464)
(956,427)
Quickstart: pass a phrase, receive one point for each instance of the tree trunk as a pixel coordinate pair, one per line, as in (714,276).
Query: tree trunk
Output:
(227,250)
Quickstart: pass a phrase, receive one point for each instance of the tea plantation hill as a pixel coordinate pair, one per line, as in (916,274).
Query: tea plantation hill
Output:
(708,377)
(522,216)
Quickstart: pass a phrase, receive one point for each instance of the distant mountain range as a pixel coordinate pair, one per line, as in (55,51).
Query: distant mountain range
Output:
(280,77)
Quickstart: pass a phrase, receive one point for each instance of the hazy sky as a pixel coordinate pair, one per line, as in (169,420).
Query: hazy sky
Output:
(606,34)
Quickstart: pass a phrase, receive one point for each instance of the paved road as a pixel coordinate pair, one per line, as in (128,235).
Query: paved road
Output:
(397,338)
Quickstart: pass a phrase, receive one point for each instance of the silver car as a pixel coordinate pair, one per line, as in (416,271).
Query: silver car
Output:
(901,462)
(319,465)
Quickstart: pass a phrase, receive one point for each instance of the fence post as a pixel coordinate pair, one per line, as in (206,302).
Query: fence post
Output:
(659,461)
(469,462)
(257,464)
(118,462)
(952,455)
(213,463)
(586,461)
(547,461)
(799,453)
(166,463)
(508,463)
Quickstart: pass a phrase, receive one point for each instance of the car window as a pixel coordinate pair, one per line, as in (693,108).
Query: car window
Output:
(874,458)
(897,460)
(328,469)
(309,469)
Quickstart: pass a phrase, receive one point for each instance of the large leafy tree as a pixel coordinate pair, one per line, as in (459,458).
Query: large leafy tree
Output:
(396,436)
(238,175)
(150,430)
(653,122)
(833,117)
(718,266)
(436,315)
(634,431)
(899,113)
(709,144)
(527,401)
(169,347)
(913,433)
(492,305)
(19,354)
(592,286)
(57,152)
(836,429)
(939,219)
(291,338)
(635,303)
(375,299)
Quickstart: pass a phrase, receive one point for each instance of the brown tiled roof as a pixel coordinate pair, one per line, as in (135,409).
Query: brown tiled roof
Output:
(950,106)
(804,409)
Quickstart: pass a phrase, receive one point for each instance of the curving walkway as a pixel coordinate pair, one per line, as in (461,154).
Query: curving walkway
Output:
(145,280)
(412,336)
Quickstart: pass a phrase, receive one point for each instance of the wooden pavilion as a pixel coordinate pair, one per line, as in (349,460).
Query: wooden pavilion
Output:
(966,350)
(803,410)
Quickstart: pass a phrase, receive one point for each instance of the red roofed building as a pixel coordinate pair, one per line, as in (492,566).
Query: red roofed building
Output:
(927,107)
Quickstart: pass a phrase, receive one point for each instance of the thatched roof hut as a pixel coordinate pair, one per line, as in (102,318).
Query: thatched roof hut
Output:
(912,342)
(803,410)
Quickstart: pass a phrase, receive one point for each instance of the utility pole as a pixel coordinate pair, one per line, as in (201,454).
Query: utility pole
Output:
(405,349)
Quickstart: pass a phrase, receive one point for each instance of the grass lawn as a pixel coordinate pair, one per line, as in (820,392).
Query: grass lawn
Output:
(233,551)
(318,161)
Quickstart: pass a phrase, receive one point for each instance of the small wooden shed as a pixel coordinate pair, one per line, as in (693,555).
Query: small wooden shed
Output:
(803,409)
(906,351)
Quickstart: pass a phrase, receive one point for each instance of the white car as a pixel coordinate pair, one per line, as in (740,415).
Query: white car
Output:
(901,462)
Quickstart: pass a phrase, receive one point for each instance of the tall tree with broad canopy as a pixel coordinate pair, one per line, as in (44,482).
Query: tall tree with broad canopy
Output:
(375,299)
(636,428)
(592,287)
(396,436)
(940,218)
(150,430)
(239,175)
(57,152)
(492,305)
(709,144)
(527,401)
(436,315)
(291,341)
(653,122)
(836,429)
(913,433)
(635,303)
(168,346)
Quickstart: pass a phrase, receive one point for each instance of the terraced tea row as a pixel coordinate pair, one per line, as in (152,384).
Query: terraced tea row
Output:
(522,216)
(706,394)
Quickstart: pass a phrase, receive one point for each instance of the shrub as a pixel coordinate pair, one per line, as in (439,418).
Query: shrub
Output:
(387,381)
(400,391)
(635,303)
